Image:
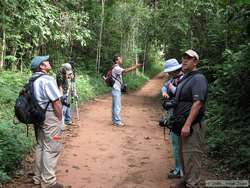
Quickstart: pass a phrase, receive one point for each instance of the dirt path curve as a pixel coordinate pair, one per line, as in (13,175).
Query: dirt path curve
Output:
(99,155)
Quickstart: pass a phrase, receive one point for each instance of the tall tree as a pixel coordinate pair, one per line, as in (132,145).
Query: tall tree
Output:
(99,45)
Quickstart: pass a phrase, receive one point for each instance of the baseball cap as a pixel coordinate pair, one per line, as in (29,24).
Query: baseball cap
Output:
(37,60)
(192,53)
(172,65)
(67,67)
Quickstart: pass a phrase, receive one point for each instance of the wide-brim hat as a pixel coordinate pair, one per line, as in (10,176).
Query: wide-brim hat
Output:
(172,65)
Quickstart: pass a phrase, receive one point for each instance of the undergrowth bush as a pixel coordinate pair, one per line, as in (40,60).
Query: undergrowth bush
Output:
(133,81)
(229,111)
(14,144)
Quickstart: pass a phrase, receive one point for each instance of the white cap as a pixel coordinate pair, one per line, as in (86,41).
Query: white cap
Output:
(67,68)
(192,53)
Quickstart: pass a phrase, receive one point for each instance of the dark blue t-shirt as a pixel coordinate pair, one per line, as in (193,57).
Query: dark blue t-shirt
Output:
(192,87)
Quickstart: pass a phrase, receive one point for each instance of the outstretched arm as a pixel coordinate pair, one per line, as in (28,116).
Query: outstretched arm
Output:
(132,68)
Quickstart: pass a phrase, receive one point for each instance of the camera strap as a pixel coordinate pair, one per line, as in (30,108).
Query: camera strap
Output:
(183,81)
(115,77)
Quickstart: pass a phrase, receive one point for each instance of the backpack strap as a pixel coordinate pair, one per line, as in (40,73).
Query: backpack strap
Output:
(116,76)
(186,79)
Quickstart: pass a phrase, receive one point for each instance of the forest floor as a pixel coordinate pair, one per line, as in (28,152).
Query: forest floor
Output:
(99,155)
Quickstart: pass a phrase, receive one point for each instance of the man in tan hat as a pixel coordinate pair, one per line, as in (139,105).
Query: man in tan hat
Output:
(191,96)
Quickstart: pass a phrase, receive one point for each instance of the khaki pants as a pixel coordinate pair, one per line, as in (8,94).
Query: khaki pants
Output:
(49,137)
(192,149)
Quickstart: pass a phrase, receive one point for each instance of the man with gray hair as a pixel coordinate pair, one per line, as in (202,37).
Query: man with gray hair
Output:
(49,134)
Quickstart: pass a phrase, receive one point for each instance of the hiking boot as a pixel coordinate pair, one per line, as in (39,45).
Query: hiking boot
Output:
(174,174)
(36,180)
(57,185)
(180,184)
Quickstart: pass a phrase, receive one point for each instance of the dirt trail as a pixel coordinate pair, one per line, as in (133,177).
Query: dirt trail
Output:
(99,155)
(103,156)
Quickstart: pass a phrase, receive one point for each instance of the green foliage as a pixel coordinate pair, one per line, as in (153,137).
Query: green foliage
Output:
(229,111)
(11,84)
(13,141)
(135,80)
(156,62)
(89,87)
(219,32)
(13,147)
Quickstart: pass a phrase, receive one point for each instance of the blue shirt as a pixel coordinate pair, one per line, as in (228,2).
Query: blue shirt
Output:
(45,90)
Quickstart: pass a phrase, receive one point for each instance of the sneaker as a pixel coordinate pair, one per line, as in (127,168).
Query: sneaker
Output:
(120,124)
(36,182)
(57,185)
(68,123)
(174,174)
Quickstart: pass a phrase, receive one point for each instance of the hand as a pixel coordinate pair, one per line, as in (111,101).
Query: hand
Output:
(139,65)
(165,95)
(185,131)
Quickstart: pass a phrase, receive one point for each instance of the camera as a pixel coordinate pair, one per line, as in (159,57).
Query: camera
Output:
(169,104)
(168,120)
(173,122)
(65,101)
(124,88)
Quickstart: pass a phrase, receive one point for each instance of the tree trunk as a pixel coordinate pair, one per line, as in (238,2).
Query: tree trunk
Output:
(99,45)
(14,64)
(21,64)
(144,57)
(134,47)
(190,33)
(3,48)
(71,49)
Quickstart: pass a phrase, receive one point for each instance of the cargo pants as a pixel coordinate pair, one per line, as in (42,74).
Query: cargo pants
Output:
(49,144)
(192,149)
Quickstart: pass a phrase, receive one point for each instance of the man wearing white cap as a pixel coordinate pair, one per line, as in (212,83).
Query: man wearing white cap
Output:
(191,95)
(173,68)
(63,78)
(49,134)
